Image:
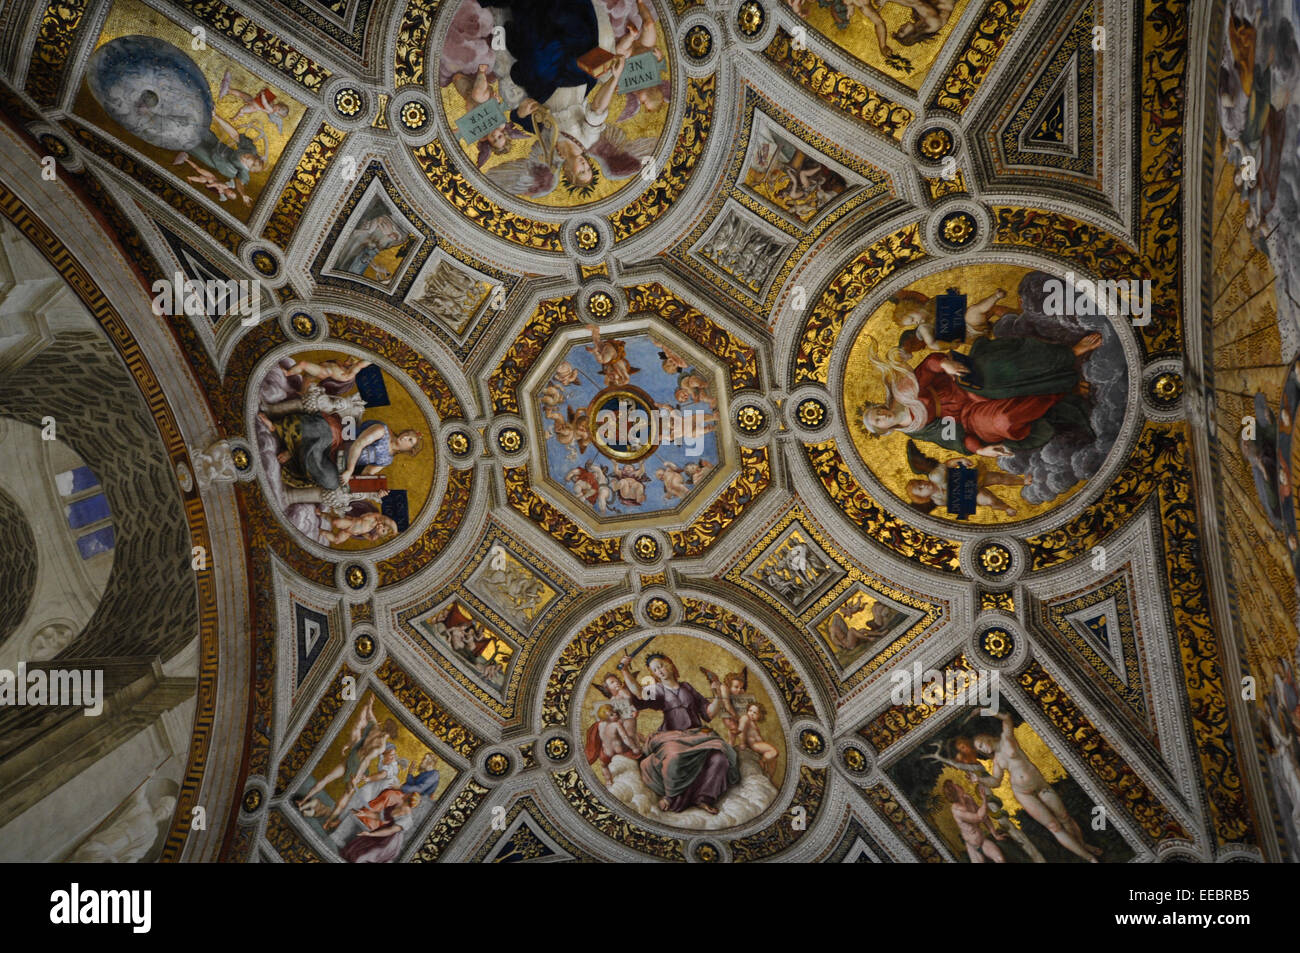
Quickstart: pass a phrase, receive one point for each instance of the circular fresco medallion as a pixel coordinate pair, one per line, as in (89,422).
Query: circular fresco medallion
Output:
(680,731)
(558,102)
(987,393)
(621,420)
(344,449)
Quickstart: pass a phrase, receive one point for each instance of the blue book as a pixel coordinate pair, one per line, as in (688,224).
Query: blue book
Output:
(371,387)
(963,485)
(950,316)
(395,507)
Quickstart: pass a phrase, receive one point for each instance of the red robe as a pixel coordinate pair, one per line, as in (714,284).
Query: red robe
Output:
(386,800)
(984,421)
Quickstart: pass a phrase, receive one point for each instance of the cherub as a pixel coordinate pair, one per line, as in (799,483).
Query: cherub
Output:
(629,483)
(644,40)
(732,691)
(344,373)
(931,491)
(915,312)
(566,375)
(606,738)
(372,526)
(591,484)
(613,688)
(263,102)
(971,821)
(559,157)
(475,90)
(752,738)
(673,479)
(570,429)
(611,354)
(225,188)
(649,98)
(693,387)
(736,684)
(672,361)
(676,424)
(697,471)
(552,395)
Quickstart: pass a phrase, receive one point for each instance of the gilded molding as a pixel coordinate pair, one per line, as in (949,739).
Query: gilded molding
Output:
(659,195)
(313,732)
(457,815)
(266,46)
(840,90)
(412,41)
(116,330)
(980,51)
(876,522)
(589,807)
(288,843)
(822,329)
(897,721)
(753,478)
(53,50)
(166,189)
(1105,763)
(660,301)
(441,722)
(896,816)
(562,685)
(781,834)
(706,615)
(477,208)
(504,382)
(591,550)
(313,165)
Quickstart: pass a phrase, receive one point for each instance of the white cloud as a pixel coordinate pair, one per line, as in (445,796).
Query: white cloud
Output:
(742,802)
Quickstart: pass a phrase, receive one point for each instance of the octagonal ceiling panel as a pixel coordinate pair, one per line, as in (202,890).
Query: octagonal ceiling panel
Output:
(630,423)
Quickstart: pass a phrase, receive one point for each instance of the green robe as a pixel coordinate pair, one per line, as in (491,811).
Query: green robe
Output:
(1009,368)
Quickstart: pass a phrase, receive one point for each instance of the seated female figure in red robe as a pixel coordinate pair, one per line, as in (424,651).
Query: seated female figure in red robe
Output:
(1008,395)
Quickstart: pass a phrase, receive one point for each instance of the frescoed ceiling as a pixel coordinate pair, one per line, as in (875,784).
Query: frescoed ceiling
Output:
(666,430)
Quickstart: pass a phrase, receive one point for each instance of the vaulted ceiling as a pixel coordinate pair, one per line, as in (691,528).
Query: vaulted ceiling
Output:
(391,491)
